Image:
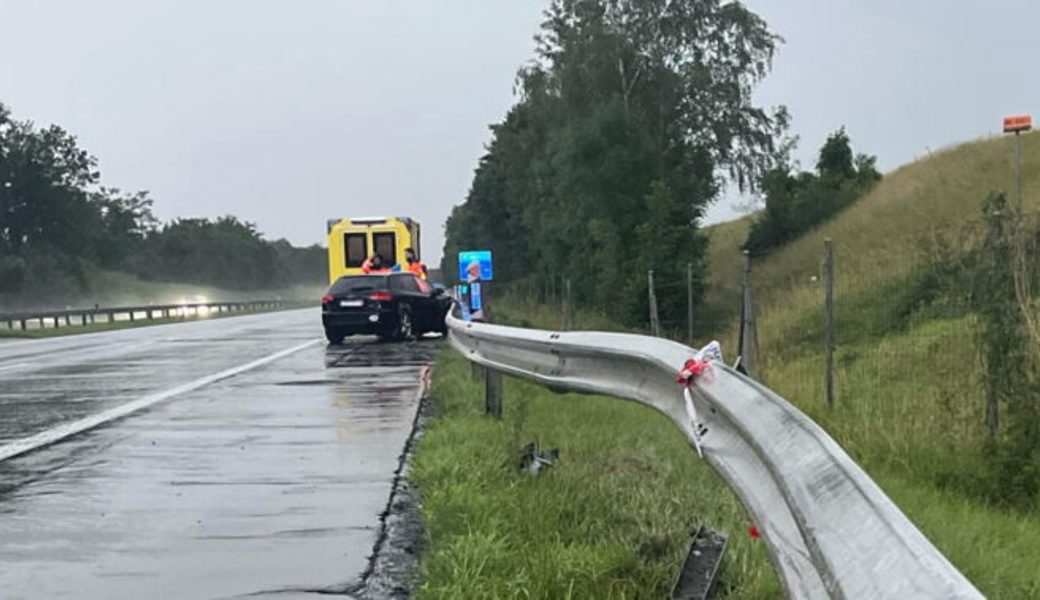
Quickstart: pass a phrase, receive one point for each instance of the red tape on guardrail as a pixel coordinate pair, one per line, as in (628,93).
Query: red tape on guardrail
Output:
(691,370)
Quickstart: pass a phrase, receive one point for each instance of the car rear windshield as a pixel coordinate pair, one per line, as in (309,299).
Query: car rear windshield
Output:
(358,283)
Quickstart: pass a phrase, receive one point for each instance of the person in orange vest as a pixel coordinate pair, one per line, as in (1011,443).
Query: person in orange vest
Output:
(374,265)
(414,265)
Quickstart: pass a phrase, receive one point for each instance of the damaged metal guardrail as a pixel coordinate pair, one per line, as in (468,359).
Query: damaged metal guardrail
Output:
(830,530)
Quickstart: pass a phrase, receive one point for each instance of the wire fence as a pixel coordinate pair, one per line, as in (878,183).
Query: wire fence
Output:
(926,348)
(905,313)
(925,357)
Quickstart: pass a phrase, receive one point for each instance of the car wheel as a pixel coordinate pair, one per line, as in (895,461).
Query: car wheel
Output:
(334,336)
(405,329)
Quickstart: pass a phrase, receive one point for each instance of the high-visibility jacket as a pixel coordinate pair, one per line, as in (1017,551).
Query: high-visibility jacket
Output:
(418,269)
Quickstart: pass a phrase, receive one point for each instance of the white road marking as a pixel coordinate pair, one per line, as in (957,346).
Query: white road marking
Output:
(56,434)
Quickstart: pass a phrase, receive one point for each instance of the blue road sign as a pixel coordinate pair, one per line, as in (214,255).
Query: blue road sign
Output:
(481,257)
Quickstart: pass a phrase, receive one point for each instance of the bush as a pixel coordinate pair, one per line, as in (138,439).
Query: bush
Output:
(795,203)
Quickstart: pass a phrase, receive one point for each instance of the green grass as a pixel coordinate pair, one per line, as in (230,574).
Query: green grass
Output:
(998,551)
(610,520)
(521,311)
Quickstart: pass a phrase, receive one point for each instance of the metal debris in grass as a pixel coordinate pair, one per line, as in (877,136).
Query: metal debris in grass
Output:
(534,461)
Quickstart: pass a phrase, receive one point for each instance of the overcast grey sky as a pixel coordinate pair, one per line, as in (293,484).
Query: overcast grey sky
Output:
(286,113)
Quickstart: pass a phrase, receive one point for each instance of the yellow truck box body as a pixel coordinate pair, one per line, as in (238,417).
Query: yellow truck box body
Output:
(351,241)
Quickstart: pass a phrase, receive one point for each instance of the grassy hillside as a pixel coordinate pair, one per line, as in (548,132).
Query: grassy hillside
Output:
(910,395)
(879,237)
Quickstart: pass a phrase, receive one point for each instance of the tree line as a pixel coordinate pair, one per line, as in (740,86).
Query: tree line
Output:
(57,221)
(629,121)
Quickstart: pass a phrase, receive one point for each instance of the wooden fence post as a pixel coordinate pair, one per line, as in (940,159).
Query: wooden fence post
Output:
(655,324)
(748,343)
(568,306)
(689,304)
(828,321)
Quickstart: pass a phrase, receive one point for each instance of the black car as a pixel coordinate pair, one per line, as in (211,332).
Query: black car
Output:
(398,306)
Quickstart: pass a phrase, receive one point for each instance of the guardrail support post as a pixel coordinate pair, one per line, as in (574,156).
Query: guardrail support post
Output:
(493,393)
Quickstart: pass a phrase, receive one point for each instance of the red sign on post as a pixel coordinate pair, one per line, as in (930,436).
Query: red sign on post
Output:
(1018,123)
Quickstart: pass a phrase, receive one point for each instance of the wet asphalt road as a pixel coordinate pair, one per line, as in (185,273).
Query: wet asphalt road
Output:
(268,483)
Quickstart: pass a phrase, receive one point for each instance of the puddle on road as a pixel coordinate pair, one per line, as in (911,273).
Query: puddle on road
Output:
(383,354)
(309,382)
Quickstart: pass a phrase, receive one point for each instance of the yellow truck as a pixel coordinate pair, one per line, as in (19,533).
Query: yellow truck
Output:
(351,241)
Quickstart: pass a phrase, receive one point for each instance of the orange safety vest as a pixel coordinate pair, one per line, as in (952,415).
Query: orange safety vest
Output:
(418,269)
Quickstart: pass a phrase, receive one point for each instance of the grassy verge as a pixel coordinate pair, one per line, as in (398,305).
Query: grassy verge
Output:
(49,332)
(610,520)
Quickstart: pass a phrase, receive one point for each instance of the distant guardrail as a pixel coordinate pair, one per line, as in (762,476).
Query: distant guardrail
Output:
(832,532)
(85,316)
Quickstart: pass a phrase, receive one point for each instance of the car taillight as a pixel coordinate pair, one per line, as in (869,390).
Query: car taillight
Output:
(381,296)
(327,298)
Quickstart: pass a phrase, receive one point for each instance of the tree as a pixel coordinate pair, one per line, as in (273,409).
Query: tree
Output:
(633,109)
(125,221)
(835,160)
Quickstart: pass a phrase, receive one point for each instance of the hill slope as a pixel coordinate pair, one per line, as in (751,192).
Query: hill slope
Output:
(910,400)
(880,236)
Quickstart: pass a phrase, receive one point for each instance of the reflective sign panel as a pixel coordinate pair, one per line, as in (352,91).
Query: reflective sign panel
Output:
(475,262)
(1018,123)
